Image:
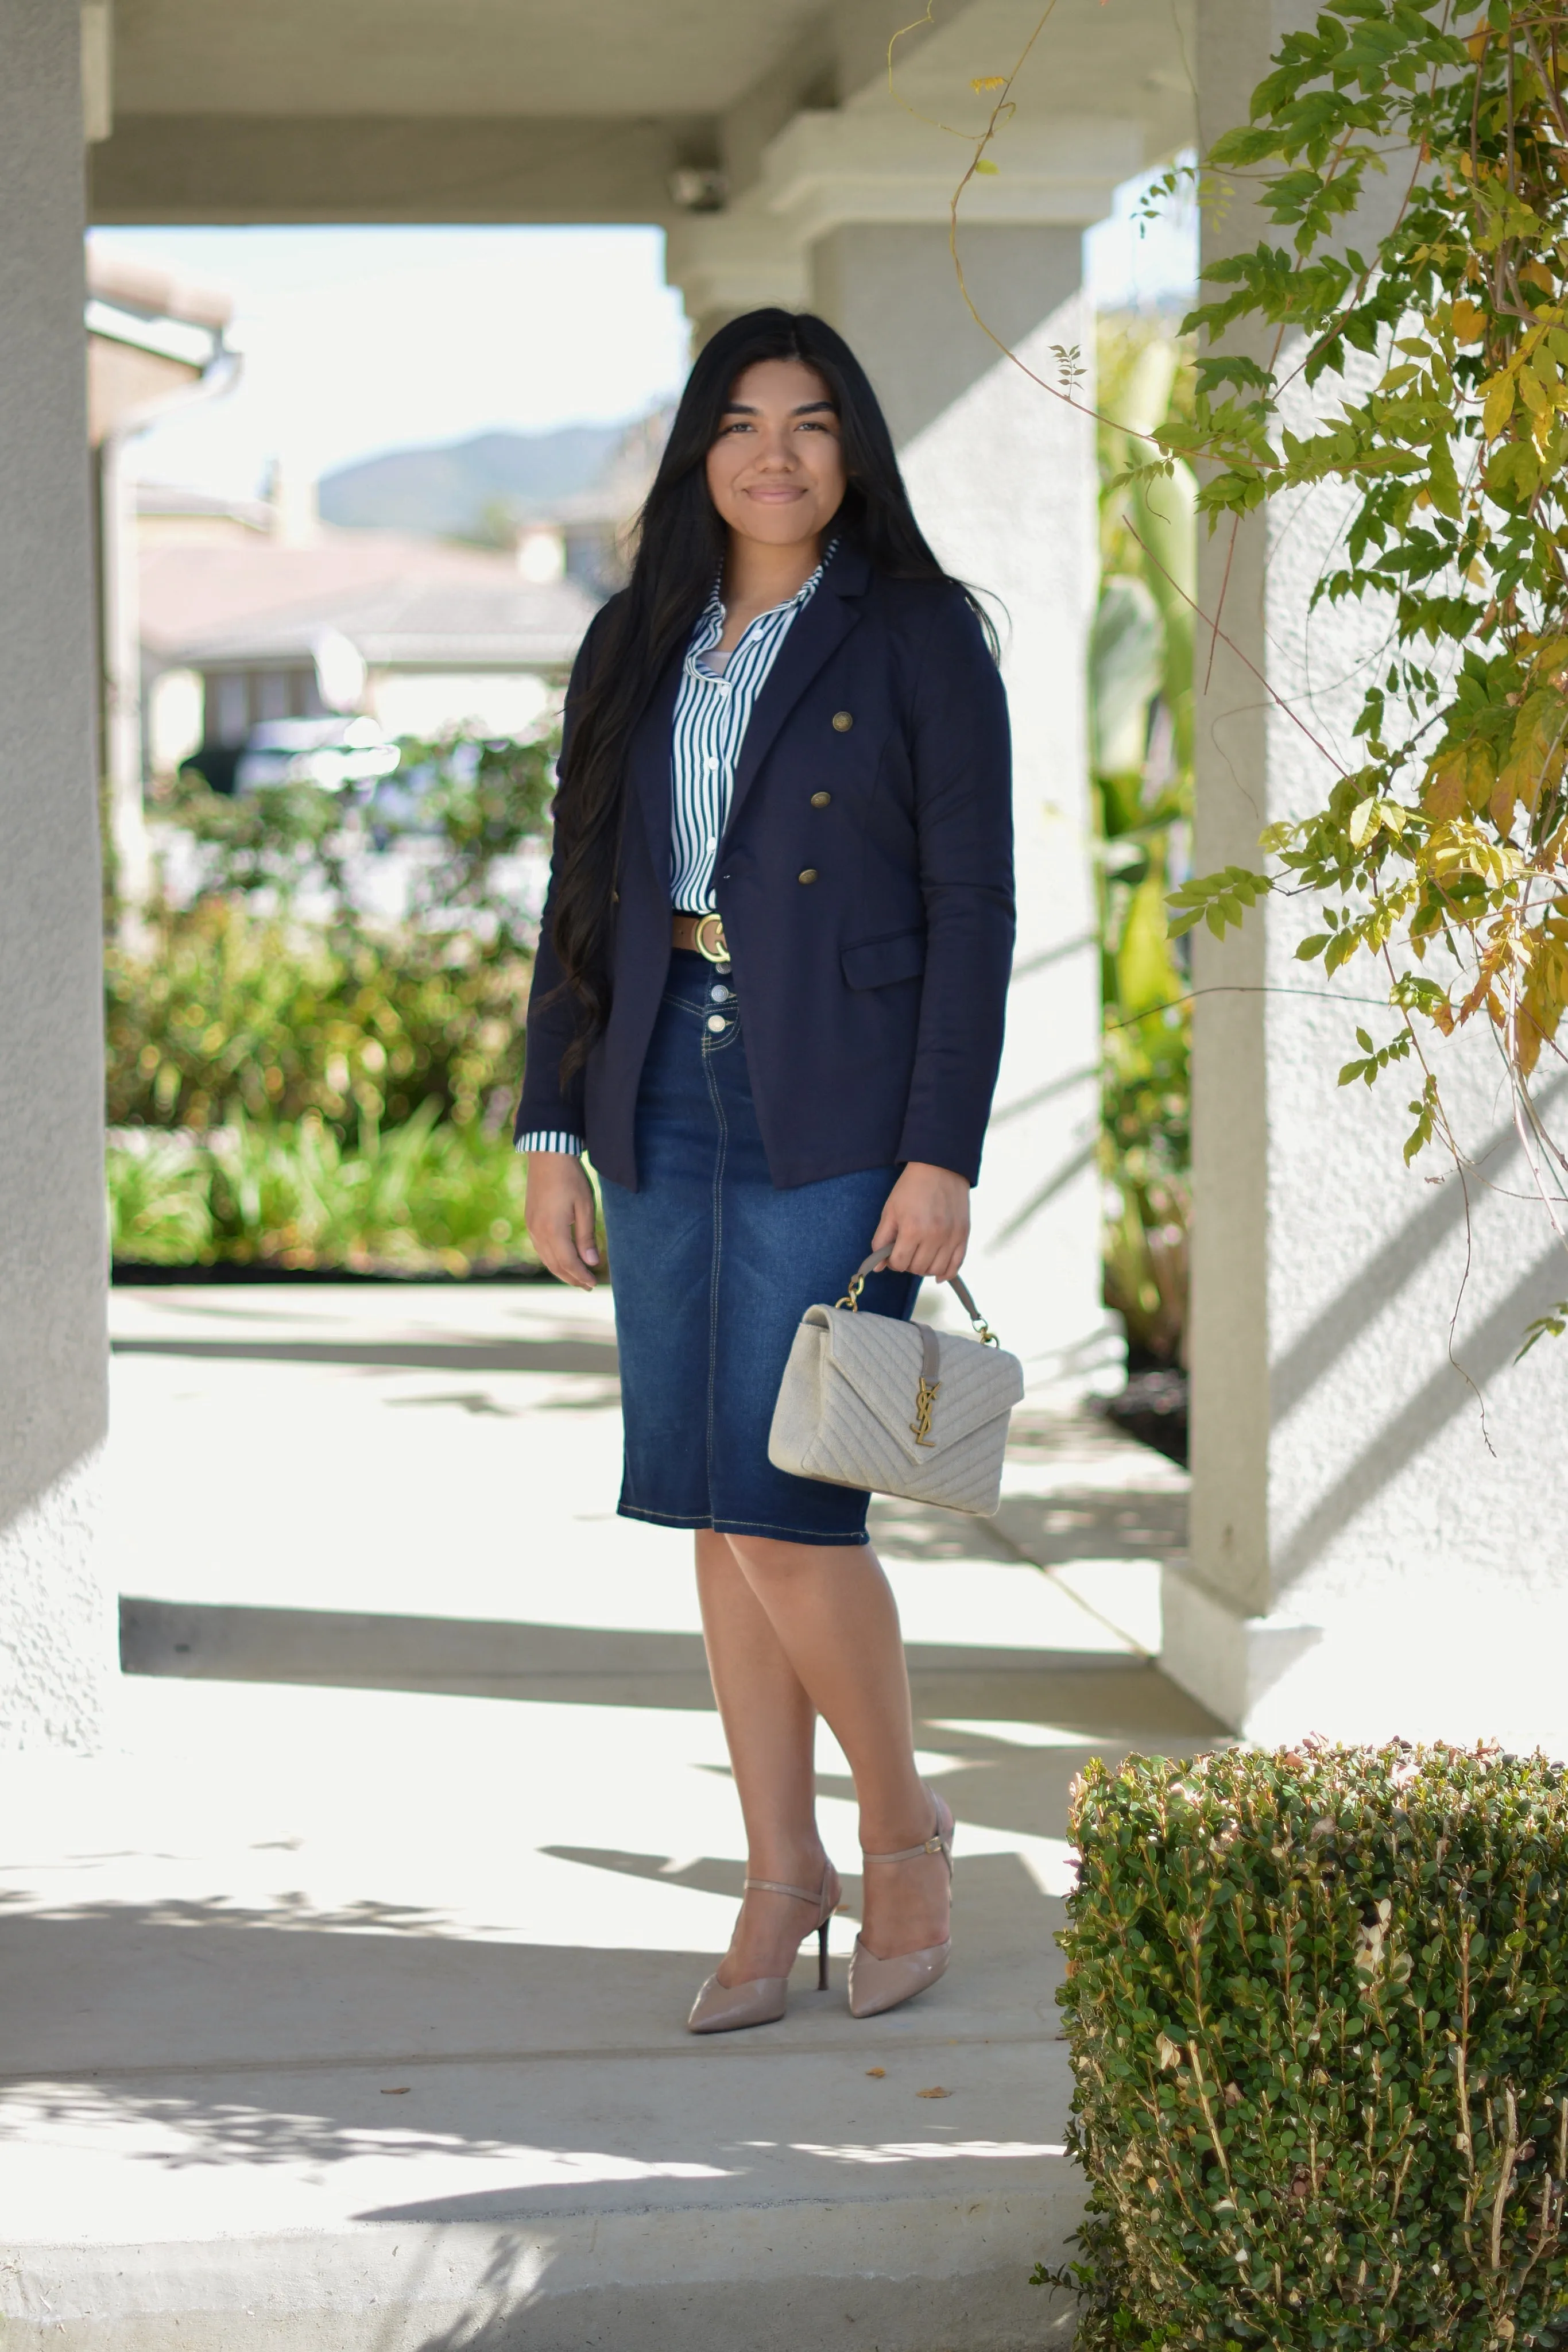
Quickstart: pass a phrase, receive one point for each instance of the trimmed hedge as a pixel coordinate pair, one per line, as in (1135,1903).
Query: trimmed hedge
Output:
(1318,2007)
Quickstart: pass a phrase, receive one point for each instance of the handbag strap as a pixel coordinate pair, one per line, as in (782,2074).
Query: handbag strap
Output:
(878,1259)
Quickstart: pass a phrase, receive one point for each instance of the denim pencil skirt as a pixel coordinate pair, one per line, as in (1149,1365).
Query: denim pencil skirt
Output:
(713,1269)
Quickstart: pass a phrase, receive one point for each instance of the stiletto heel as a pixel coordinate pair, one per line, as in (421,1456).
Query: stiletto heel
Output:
(876,1984)
(721,2008)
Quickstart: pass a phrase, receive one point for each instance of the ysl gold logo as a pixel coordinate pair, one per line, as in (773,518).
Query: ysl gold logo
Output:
(923,1404)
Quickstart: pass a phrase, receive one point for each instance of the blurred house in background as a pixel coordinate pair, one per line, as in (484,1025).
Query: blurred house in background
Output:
(257,610)
(239,631)
(591,525)
(154,342)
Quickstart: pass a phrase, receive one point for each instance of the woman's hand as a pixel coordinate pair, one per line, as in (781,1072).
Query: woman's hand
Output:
(927,1220)
(559,1216)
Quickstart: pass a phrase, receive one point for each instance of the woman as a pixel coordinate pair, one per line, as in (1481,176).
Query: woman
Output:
(768,1000)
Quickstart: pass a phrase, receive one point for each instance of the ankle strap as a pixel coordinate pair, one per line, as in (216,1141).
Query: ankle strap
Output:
(776,1886)
(935,1843)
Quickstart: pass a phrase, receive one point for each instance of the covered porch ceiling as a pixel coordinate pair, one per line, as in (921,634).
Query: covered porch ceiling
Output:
(225,111)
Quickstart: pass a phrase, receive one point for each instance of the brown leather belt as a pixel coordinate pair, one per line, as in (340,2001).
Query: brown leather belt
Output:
(702,934)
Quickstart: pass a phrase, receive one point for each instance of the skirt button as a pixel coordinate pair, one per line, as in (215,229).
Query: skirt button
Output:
(808,873)
(716,1022)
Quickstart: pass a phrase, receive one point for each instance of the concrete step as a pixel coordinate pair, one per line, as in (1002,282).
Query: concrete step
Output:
(343,2003)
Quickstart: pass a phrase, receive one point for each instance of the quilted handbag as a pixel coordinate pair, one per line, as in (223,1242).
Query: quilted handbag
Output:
(871,1401)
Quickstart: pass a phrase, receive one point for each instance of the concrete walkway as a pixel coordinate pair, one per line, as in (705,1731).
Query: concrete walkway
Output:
(340,2007)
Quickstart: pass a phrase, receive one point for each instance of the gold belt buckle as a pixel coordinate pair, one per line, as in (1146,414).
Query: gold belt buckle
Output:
(719,953)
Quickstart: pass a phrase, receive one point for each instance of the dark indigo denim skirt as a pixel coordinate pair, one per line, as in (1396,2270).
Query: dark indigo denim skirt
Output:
(713,1269)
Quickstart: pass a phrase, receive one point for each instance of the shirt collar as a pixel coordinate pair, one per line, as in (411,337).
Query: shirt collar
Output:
(710,625)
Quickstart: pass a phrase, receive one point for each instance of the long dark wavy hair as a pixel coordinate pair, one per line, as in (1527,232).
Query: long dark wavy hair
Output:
(681,541)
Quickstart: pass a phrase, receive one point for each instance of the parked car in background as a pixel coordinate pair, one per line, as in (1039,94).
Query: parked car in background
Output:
(334,753)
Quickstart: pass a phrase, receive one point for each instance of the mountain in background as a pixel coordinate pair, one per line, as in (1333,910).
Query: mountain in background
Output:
(460,490)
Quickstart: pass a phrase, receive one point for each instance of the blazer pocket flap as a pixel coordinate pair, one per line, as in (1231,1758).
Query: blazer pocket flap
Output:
(876,963)
(882,1361)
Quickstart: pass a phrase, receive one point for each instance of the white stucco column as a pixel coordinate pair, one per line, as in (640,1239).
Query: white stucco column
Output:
(727,263)
(1367,1557)
(57,1649)
(1002,476)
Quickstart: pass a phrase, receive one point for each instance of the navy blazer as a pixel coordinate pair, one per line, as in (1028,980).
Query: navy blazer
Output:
(871,938)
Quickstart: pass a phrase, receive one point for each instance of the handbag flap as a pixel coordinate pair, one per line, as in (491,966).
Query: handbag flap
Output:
(884,1362)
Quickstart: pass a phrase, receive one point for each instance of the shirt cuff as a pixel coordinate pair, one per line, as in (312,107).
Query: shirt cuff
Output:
(549,1138)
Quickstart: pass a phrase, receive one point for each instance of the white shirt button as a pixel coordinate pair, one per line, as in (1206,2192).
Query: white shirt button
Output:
(715,1020)
(710,759)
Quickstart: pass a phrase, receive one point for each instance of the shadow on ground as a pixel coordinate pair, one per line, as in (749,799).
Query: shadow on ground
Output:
(1101,1692)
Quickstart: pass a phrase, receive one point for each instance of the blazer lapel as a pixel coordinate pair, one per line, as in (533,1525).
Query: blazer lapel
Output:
(815,633)
(650,775)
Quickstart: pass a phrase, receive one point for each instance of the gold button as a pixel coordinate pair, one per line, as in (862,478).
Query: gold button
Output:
(821,799)
(843,722)
(808,873)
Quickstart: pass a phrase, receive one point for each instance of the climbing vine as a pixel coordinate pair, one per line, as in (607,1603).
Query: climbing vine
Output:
(1444,853)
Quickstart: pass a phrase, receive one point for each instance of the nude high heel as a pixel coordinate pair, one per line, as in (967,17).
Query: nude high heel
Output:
(720,2009)
(877,1984)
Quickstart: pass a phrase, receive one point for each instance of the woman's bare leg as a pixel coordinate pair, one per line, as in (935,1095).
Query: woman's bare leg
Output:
(769,1725)
(835,1621)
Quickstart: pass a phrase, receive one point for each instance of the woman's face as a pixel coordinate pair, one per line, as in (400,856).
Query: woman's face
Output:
(775,472)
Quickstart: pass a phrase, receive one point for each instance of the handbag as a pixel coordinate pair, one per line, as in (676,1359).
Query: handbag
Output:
(872,1401)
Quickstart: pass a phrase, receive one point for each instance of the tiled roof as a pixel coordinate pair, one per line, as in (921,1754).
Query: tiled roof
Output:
(399,600)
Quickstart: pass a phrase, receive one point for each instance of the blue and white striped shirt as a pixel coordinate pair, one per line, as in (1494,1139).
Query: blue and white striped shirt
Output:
(713,710)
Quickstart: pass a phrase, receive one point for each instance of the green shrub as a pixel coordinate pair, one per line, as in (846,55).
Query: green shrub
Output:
(468,804)
(336,1091)
(158,1205)
(416,1198)
(232,1014)
(1318,2005)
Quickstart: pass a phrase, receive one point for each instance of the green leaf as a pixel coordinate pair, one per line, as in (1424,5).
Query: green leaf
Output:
(1424,1111)
(1549,1326)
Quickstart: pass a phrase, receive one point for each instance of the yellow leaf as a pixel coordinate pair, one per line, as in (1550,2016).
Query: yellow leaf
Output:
(1500,806)
(1480,776)
(1535,273)
(1364,822)
(1535,398)
(1469,321)
(984,164)
(876,2073)
(1499,405)
(1442,797)
(989,81)
(936,2092)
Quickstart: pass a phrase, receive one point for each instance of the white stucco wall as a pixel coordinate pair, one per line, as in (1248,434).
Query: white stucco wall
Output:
(56,1622)
(1369,1556)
